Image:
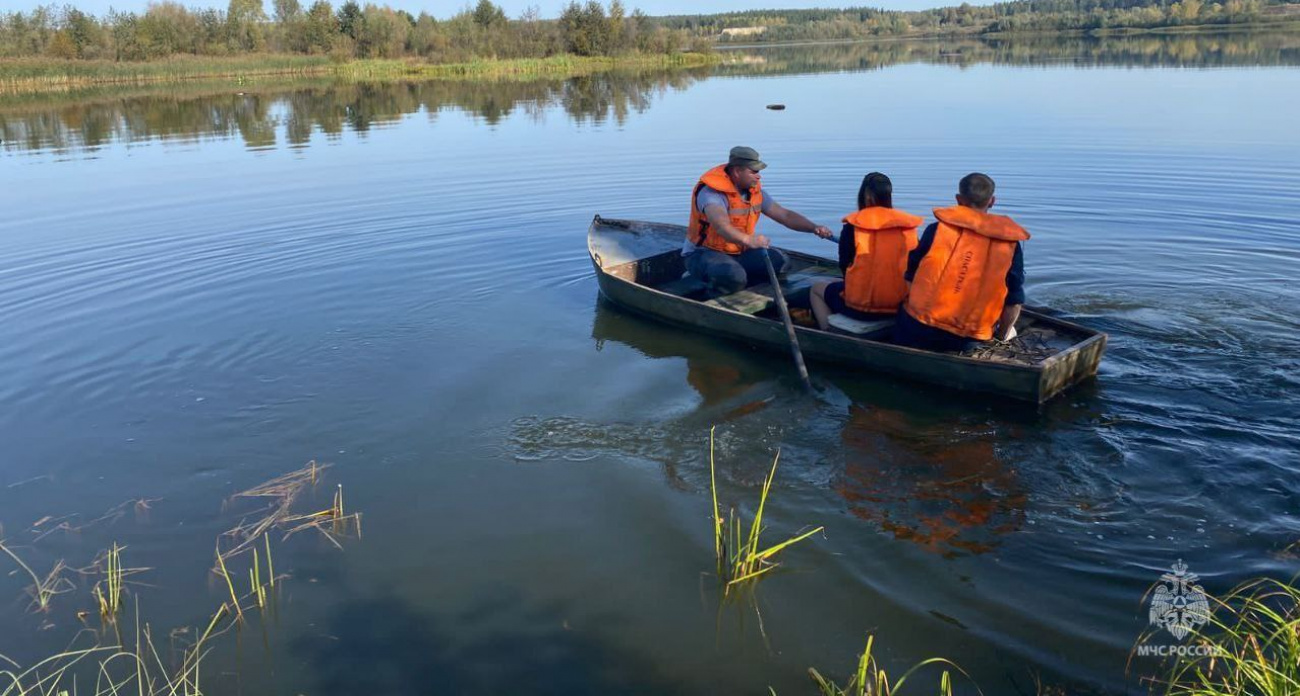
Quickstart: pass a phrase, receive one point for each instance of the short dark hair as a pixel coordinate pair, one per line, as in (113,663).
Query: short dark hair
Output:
(977,189)
(876,189)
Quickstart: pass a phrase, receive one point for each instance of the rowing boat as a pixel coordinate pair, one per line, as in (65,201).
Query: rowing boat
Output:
(639,267)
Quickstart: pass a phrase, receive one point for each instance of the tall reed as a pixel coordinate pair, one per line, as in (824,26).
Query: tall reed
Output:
(43,590)
(871,680)
(109,591)
(230,584)
(740,557)
(119,670)
(1251,645)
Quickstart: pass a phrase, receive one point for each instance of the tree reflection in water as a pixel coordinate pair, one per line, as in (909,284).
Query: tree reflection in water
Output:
(294,112)
(1201,50)
(291,113)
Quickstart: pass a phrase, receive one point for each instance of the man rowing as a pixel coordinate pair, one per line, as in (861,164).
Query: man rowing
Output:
(721,247)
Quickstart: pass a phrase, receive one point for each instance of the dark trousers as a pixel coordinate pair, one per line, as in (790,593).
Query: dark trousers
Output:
(727,273)
(910,332)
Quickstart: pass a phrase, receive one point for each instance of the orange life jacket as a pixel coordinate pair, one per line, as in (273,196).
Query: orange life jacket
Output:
(743,214)
(961,285)
(881,239)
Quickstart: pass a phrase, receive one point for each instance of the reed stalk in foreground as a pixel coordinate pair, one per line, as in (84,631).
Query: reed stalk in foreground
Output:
(118,669)
(1251,645)
(871,680)
(140,670)
(109,592)
(258,590)
(740,558)
(43,590)
(270,565)
(230,585)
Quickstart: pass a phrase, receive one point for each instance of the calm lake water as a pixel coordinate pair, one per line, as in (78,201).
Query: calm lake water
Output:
(203,289)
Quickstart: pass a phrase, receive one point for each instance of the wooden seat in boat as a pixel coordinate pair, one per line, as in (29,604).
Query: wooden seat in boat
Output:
(861,327)
(759,298)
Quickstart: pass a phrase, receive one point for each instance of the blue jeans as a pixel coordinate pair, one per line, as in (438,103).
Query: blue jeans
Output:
(727,273)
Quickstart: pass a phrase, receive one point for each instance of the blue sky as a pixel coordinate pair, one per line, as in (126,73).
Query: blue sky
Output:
(549,8)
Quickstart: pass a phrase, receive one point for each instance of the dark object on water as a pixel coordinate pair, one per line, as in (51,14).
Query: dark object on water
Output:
(776,107)
(639,267)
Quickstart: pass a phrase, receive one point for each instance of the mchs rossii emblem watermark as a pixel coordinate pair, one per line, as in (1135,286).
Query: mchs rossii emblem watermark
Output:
(1178,605)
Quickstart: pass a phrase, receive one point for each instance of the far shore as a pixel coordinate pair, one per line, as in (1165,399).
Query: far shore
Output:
(977,33)
(34,76)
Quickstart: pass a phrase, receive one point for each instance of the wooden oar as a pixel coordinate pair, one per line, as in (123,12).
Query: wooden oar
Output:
(785,319)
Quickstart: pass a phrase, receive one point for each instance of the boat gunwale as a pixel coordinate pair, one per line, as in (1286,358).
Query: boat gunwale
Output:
(1087,337)
(975,362)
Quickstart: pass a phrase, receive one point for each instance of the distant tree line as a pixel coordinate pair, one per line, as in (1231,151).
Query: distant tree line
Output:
(589,28)
(351,30)
(1014,16)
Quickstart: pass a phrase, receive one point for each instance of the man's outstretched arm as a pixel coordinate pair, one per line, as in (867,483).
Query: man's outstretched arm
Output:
(795,221)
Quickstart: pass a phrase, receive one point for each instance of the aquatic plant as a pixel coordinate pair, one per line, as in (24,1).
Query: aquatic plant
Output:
(48,525)
(109,592)
(282,492)
(1251,645)
(118,669)
(740,558)
(339,523)
(270,565)
(257,589)
(870,680)
(43,590)
(255,582)
(230,584)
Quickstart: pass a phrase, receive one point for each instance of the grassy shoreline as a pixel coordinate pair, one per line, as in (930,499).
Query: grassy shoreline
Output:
(37,76)
(28,76)
(31,76)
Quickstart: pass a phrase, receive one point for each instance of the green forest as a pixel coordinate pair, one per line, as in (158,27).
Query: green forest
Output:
(484,32)
(345,32)
(1003,17)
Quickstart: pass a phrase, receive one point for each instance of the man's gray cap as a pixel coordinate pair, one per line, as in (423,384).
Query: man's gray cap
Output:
(746,157)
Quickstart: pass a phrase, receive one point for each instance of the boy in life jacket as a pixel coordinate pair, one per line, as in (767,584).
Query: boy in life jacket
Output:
(966,276)
(721,248)
(874,245)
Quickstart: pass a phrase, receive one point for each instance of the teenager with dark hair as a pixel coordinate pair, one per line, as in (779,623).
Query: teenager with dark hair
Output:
(874,244)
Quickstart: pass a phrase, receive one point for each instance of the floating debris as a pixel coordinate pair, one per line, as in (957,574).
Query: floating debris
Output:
(283,492)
